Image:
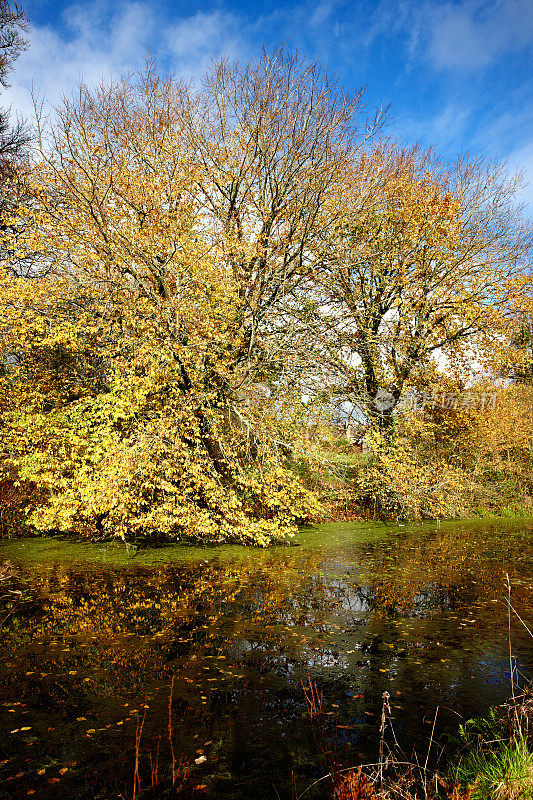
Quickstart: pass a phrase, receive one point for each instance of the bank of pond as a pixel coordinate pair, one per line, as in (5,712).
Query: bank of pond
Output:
(124,671)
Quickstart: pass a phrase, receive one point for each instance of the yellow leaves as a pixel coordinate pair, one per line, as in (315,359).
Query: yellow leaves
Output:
(151,480)
(404,480)
(154,381)
(421,266)
(138,341)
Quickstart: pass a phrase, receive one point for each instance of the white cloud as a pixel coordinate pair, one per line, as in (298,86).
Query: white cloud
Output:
(195,41)
(521,159)
(464,36)
(95,40)
(321,14)
(475,33)
(447,127)
(103,38)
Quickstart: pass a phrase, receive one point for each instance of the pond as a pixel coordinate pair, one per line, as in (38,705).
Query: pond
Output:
(99,638)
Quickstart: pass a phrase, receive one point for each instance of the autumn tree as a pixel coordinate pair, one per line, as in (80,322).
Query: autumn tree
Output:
(273,140)
(13,27)
(422,272)
(516,358)
(14,137)
(170,226)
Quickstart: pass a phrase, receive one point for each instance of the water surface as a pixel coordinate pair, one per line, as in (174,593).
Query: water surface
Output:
(100,632)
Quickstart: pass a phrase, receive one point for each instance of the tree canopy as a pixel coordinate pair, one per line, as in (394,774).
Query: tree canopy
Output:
(425,264)
(188,269)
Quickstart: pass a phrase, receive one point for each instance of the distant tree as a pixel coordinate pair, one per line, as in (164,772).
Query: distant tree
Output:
(14,136)
(13,26)
(426,263)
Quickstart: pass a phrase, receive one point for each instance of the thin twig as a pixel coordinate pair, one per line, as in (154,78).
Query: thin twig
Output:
(170,733)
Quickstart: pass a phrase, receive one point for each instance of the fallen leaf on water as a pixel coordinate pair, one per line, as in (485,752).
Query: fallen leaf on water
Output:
(200,760)
(63,770)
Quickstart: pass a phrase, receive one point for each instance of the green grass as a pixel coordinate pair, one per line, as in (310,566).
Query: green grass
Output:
(498,770)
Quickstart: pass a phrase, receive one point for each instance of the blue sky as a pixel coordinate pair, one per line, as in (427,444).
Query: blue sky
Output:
(456,74)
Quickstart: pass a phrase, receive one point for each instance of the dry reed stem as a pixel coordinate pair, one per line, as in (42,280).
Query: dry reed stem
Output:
(136,776)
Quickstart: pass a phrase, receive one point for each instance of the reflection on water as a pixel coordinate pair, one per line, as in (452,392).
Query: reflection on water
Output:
(97,635)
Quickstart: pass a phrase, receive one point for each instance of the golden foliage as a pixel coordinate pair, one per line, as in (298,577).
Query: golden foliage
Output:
(426,266)
(405,481)
(164,230)
(192,279)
